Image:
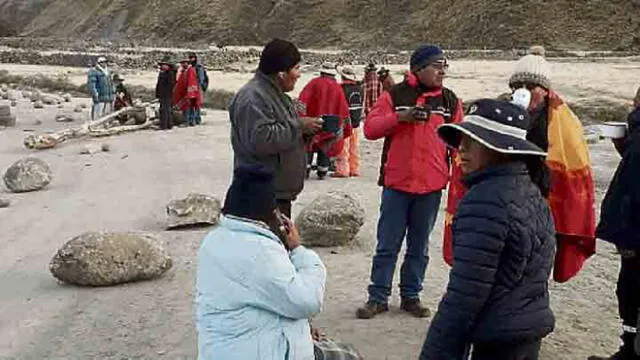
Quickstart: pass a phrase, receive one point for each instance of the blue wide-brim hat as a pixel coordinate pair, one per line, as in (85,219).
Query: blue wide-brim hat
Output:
(499,125)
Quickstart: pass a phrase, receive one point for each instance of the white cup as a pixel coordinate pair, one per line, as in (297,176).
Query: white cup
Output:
(614,130)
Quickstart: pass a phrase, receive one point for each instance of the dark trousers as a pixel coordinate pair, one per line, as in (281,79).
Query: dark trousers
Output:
(166,118)
(506,351)
(628,293)
(323,162)
(285,207)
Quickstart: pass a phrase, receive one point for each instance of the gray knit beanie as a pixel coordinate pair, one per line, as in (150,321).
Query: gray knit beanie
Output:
(532,69)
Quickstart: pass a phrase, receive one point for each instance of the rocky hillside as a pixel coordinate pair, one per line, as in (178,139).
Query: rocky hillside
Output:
(495,24)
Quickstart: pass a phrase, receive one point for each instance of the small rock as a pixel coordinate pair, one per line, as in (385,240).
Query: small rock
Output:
(37,122)
(105,259)
(26,94)
(67,97)
(203,112)
(78,109)
(4,203)
(91,149)
(38,104)
(84,106)
(4,87)
(4,95)
(60,106)
(333,219)
(14,103)
(13,95)
(36,95)
(64,118)
(195,209)
(106,147)
(28,174)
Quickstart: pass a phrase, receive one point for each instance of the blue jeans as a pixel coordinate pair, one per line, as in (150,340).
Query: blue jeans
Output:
(101,109)
(192,116)
(403,214)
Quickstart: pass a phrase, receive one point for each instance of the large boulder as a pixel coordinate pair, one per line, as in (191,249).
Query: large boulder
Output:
(195,209)
(28,174)
(104,259)
(332,219)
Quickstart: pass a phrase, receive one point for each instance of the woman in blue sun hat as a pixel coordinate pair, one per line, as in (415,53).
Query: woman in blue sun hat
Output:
(497,299)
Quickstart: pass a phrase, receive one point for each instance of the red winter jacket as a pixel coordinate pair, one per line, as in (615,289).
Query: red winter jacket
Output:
(324,96)
(415,159)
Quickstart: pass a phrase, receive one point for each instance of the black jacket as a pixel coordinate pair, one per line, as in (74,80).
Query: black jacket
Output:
(620,211)
(166,83)
(503,250)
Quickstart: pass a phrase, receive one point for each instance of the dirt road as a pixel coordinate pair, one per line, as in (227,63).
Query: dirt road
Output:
(127,189)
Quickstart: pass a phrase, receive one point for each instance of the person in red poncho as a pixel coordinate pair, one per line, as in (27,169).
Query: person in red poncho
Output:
(321,97)
(557,130)
(187,94)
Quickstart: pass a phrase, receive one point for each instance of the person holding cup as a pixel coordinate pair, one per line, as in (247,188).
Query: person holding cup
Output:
(265,126)
(413,172)
(323,97)
(620,225)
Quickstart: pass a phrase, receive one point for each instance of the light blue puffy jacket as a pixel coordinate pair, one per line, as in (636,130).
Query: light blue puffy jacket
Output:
(254,298)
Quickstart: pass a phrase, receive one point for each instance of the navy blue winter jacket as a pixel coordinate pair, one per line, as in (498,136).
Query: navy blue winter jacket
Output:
(620,210)
(503,249)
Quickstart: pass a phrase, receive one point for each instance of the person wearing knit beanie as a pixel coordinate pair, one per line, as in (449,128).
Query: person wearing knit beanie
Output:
(278,55)
(251,194)
(532,69)
(266,129)
(414,170)
(255,277)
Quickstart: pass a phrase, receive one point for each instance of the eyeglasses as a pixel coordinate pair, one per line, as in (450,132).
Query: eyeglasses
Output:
(440,65)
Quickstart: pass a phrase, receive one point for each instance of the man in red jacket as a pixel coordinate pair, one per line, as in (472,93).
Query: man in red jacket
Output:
(323,96)
(413,173)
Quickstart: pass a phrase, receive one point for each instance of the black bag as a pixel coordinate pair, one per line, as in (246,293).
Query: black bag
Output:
(353,93)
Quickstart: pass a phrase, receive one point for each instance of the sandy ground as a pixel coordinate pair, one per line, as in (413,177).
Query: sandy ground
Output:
(470,79)
(128,188)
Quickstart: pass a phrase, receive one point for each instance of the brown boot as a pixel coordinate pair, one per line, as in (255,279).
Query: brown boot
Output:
(371,309)
(414,307)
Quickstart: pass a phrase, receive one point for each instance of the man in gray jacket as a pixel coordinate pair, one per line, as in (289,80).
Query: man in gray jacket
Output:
(265,128)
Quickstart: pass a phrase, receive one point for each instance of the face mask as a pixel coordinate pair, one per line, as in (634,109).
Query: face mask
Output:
(522,98)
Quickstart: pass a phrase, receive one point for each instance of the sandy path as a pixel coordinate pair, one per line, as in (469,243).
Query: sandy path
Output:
(127,189)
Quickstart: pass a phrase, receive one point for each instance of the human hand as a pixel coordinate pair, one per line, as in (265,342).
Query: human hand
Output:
(317,335)
(311,125)
(293,237)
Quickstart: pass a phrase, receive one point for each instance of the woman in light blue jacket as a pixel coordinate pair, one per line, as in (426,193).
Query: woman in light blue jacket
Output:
(257,287)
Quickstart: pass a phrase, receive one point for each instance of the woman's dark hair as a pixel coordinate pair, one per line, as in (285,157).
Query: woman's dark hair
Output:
(539,172)
(275,225)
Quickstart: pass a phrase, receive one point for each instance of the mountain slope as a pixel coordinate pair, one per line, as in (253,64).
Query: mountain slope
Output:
(560,24)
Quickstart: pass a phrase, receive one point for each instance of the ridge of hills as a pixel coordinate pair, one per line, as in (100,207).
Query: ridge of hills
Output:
(345,24)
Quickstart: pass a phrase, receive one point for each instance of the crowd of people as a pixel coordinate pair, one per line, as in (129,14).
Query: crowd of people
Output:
(520,209)
(181,88)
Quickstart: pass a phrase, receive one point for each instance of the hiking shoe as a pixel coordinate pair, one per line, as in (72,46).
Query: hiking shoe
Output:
(371,309)
(414,307)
